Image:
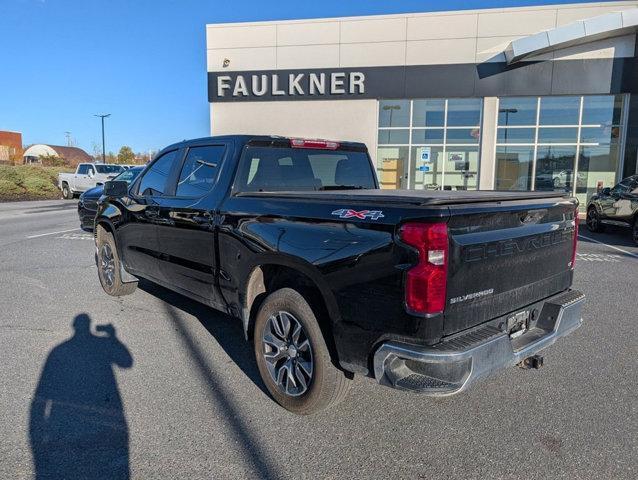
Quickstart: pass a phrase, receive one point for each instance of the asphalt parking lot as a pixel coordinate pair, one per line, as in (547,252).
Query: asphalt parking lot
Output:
(172,391)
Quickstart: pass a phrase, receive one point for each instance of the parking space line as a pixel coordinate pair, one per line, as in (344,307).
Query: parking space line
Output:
(53,233)
(610,246)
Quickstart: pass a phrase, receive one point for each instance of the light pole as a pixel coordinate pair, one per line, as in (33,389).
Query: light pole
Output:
(103,116)
(392,108)
(507,112)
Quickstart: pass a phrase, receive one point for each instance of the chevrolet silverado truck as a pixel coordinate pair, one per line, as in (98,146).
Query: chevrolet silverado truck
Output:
(331,276)
(86,177)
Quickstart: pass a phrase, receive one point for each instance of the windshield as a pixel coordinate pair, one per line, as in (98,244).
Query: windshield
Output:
(108,168)
(277,169)
(129,175)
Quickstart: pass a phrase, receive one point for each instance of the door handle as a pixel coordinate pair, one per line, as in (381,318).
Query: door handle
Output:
(203,219)
(152,212)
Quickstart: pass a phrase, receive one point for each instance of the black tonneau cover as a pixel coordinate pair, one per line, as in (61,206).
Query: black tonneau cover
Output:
(414,197)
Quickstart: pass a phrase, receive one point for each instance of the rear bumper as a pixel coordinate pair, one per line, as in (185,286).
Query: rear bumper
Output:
(450,367)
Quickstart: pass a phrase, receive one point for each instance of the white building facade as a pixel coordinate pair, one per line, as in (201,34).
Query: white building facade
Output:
(538,98)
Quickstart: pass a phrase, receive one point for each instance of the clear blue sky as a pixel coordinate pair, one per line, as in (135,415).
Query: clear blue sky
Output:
(143,61)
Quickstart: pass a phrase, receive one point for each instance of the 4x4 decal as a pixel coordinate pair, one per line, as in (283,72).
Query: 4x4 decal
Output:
(360,214)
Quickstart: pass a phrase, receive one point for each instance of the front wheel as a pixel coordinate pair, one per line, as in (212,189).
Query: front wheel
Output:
(593,221)
(108,265)
(292,355)
(67,193)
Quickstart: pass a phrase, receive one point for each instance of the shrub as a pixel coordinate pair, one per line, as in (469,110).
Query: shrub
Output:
(29,182)
(39,187)
(52,161)
(10,174)
(9,189)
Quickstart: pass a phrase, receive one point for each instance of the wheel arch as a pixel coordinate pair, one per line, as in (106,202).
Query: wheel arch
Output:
(268,277)
(107,225)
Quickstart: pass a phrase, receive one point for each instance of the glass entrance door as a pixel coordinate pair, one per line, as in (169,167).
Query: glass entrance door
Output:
(392,167)
(427,168)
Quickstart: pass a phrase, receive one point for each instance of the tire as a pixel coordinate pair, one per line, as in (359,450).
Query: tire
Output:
(557,183)
(634,230)
(67,193)
(108,266)
(317,385)
(593,221)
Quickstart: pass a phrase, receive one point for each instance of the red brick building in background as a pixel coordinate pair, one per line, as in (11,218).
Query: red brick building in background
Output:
(10,147)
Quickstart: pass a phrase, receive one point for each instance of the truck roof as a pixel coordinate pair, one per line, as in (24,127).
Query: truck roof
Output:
(243,139)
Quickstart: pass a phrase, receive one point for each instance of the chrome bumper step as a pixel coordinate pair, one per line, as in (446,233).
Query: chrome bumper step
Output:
(450,367)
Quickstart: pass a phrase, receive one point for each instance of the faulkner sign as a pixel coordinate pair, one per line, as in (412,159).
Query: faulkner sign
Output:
(285,85)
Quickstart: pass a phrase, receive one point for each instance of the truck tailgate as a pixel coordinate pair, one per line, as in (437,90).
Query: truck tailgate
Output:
(506,255)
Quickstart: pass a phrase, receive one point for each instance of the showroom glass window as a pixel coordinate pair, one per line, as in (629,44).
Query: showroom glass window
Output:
(429,143)
(558,143)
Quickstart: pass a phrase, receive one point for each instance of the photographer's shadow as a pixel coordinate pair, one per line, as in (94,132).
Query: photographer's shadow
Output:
(77,427)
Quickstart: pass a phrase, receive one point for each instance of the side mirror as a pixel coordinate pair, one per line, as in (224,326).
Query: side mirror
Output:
(606,191)
(115,188)
(91,173)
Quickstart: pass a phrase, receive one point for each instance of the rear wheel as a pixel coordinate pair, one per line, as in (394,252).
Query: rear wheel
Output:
(67,194)
(292,355)
(593,221)
(108,265)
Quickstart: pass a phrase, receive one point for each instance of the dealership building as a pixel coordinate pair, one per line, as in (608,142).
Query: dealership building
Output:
(533,98)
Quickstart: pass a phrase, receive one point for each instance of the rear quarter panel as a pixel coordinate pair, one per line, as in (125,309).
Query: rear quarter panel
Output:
(356,263)
(65,177)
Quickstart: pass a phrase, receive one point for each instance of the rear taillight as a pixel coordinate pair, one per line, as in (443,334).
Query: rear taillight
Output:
(315,144)
(575,244)
(426,282)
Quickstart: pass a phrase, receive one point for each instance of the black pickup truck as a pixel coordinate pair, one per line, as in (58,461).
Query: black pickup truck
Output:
(331,276)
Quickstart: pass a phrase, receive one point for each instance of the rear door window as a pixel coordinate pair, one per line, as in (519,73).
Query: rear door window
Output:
(83,169)
(153,183)
(278,169)
(199,172)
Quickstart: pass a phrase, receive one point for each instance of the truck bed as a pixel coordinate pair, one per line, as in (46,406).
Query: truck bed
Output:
(507,249)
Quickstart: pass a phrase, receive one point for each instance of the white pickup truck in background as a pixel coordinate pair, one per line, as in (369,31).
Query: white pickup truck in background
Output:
(86,176)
